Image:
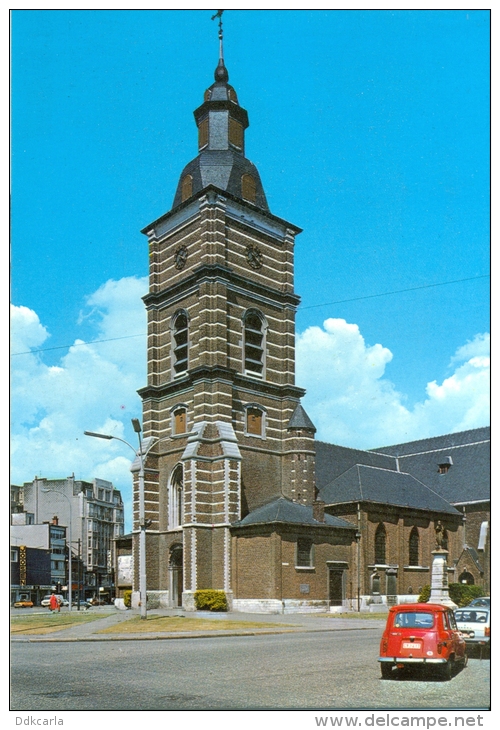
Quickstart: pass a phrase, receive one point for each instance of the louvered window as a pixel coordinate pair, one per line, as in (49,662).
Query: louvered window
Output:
(248,188)
(254,344)
(180,343)
(203,134)
(187,187)
(236,134)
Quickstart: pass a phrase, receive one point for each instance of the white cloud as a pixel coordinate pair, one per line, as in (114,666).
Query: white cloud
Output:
(352,404)
(93,387)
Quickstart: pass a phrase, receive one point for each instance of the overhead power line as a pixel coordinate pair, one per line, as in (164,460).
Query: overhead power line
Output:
(310,306)
(396,291)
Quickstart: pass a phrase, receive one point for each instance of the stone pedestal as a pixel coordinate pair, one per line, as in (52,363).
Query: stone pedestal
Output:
(439,579)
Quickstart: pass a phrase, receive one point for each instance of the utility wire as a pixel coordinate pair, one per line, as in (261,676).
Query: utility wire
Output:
(310,306)
(397,291)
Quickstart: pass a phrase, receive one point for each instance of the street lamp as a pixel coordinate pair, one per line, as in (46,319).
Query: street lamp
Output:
(70,581)
(143,523)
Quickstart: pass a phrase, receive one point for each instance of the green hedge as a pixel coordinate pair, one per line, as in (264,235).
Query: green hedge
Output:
(127,598)
(460,593)
(210,600)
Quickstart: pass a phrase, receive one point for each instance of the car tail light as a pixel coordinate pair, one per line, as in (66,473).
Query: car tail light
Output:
(487,631)
(440,647)
(385,645)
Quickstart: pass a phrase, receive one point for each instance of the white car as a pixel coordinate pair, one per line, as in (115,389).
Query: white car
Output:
(473,622)
(46,600)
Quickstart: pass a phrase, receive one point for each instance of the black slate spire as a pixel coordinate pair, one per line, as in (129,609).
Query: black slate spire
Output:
(221,161)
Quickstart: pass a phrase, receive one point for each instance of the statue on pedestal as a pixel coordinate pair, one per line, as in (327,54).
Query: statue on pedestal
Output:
(439,529)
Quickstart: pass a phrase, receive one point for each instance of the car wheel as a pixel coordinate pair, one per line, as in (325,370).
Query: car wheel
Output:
(386,670)
(446,670)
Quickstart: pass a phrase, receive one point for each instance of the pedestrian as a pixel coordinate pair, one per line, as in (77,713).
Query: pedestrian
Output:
(54,603)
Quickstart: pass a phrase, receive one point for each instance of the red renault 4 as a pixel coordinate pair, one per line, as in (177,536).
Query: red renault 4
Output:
(421,634)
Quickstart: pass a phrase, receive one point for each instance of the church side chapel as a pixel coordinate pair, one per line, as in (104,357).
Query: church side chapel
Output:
(239,496)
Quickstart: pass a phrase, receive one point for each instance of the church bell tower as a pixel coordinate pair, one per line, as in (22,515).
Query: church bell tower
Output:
(220,395)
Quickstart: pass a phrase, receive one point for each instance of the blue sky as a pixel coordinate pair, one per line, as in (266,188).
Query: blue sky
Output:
(370,130)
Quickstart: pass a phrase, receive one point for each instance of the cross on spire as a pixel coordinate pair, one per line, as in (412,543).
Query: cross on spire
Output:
(218,14)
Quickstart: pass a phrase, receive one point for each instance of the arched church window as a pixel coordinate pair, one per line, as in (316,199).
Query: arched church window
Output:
(380,544)
(180,332)
(187,187)
(248,188)
(413,547)
(254,331)
(175,498)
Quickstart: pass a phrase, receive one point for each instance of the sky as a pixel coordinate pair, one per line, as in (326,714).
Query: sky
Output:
(370,130)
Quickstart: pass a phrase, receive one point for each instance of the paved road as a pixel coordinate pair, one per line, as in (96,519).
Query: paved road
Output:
(320,670)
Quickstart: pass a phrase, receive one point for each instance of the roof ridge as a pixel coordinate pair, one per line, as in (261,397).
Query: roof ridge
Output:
(359,482)
(431,490)
(443,448)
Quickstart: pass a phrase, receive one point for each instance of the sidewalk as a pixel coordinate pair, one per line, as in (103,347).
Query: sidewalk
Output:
(283,624)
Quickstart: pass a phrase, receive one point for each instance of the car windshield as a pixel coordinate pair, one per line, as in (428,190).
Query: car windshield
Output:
(476,617)
(414,620)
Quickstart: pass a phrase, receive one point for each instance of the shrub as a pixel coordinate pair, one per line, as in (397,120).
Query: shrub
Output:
(127,598)
(425,594)
(210,600)
(460,593)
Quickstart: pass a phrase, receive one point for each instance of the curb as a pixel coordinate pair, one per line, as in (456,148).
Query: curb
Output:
(165,637)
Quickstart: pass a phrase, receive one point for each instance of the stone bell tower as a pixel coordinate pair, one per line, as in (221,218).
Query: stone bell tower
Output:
(221,396)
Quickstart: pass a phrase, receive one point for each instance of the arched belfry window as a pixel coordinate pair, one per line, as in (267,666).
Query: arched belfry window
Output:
(175,498)
(180,342)
(413,547)
(254,346)
(380,544)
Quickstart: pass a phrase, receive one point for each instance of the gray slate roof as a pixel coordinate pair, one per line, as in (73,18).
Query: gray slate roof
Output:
(462,438)
(368,484)
(333,460)
(224,170)
(468,479)
(300,419)
(283,510)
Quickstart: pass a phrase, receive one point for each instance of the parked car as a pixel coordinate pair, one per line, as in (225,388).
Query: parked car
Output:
(421,634)
(484,601)
(98,602)
(84,605)
(23,604)
(46,600)
(474,624)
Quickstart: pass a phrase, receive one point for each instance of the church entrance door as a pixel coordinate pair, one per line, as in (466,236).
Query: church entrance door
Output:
(335,586)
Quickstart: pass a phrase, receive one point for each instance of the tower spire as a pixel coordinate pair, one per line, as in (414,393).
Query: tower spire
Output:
(221,73)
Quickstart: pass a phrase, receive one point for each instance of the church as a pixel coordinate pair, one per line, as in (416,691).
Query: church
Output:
(239,496)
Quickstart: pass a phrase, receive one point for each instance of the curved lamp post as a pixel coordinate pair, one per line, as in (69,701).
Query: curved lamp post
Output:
(70,580)
(143,523)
